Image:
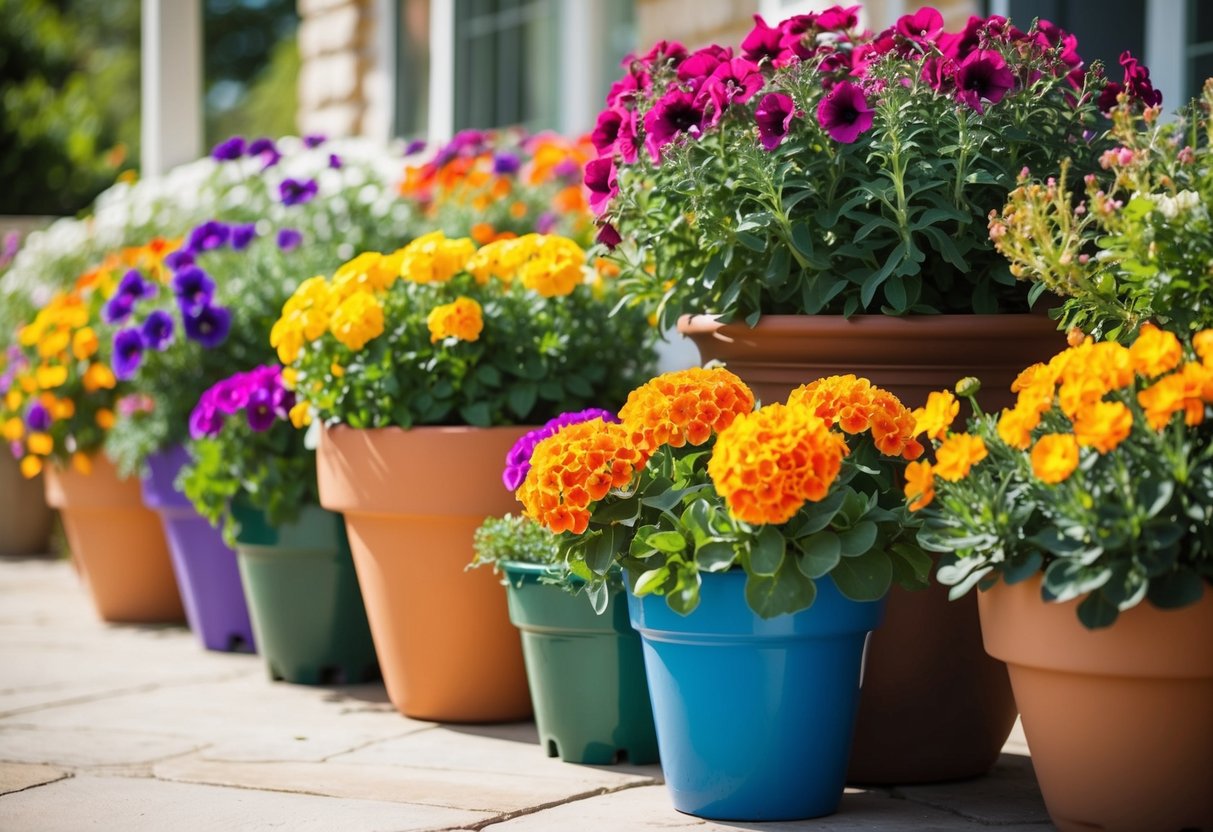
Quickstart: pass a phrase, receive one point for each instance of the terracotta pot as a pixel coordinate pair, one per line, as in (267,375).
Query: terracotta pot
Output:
(1119,720)
(412,501)
(117,544)
(934,706)
(25,518)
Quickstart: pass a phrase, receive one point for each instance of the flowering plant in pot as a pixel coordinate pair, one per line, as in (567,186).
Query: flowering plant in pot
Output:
(825,169)
(251,472)
(495,184)
(432,360)
(1071,510)
(771,533)
(1132,249)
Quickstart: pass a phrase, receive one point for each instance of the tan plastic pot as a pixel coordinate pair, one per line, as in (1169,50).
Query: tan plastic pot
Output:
(934,705)
(412,501)
(25,518)
(117,543)
(1119,720)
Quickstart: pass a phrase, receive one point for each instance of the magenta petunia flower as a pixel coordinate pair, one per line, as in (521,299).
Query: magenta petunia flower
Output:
(600,179)
(838,19)
(606,131)
(665,50)
(922,26)
(702,63)
(939,73)
(774,114)
(844,113)
(763,42)
(205,420)
(260,410)
(737,80)
(983,76)
(608,236)
(518,460)
(793,38)
(675,114)
(626,87)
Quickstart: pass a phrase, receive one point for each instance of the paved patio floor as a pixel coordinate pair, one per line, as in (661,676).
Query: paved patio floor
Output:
(138,728)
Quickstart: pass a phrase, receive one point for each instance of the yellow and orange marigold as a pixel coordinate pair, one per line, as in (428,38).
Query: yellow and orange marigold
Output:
(462,319)
(433,258)
(574,467)
(357,320)
(768,463)
(1156,351)
(957,455)
(855,405)
(937,416)
(684,406)
(1103,426)
(920,484)
(1054,457)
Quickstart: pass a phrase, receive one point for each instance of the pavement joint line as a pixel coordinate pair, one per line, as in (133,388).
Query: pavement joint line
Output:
(66,775)
(530,810)
(369,743)
(118,693)
(895,792)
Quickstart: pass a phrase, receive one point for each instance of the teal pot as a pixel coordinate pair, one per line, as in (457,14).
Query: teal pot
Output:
(303,598)
(586,672)
(754,716)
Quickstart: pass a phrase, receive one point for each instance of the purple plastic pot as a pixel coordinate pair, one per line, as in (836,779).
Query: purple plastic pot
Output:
(206,568)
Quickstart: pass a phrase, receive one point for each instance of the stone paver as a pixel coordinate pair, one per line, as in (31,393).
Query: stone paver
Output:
(139,728)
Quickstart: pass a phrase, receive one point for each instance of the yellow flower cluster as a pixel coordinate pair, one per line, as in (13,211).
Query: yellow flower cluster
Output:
(768,463)
(577,465)
(548,265)
(434,258)
(462,320)
(856,405)
(357,320)
(684,406)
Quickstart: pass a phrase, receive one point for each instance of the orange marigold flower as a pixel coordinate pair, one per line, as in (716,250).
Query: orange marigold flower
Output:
(768,463)
(84,343)
(1156,351)
(855,405)
(104,418)
(1162,400)
(1016,424)
(31,467)
(684,406)
(920,484)
(1103,426)
(958,453)
(1202,342)
(576,466)
(940,411)
(82,462)
(40,443)
(1055,457)
(13,429)
(461,319)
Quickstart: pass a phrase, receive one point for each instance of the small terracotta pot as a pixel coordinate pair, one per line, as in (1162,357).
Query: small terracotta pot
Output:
(934,706)
(25,518)
(1119,720)
(117,544)
(412,501)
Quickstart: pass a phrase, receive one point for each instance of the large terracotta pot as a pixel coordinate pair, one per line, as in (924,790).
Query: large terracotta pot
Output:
(934,706)
(412,501)
(25,518)
(116,542)
(1119,720)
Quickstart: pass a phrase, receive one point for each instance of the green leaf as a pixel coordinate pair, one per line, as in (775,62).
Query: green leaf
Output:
(715,555)
(866,577)
(766,552)
(1096,611)
(650,581)
(787,591)
(1176,589)
(911,566)
(477,414)
(1065,580)
(1025,568)
(816,516)
(623,512)
(668,541)
(521,398)
(858,539)
(602,549)
(599,594)
(820,553)
(488,374)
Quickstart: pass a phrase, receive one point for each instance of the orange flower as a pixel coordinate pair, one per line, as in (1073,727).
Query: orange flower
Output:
(1015,425)
(577,465)
(1155,351)
(1055,457)
(99,377)
(1162,399)
(684,406)
(82,463)
(1103,426)
(40,443)
(104,418)
(958,453)
(462,319)
(1202,342)
(920,484)
(938,415)
(31,467)
(855,405)
(768,463)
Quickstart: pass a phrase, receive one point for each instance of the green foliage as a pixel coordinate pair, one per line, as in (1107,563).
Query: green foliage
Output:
(513,538)
(271,104)
(1137,249)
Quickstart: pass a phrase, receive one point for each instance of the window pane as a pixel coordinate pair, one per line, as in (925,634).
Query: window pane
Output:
(413,68)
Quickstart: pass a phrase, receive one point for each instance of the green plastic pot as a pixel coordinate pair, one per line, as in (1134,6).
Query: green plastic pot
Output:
(303,598)
(586,672)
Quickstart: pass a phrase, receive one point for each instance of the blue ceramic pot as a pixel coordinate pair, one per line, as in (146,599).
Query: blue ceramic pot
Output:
(754,717)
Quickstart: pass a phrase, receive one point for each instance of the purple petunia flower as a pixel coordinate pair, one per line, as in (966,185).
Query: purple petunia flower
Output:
(37,418)
(983,76)
(335,161)
(230,395)
(205,421)
(505,163)
(261,145)
(289,238)
(922,26)
(606,131)
(260,409)
(128,353)
(415,146)
(518,460)
(674,114)
(157,330)
(736,80)
(242,235)
(194,289)
(117,309)
(608,236)
(179,259)
(774,114)
(600,179)
(844,113)
(209,326)
(295,192)
(1136,84)
(763,42)
(208,236)
(133,286)
(228,150)
(313,140)
(702,63)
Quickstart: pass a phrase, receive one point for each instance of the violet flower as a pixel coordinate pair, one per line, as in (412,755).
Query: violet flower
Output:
(774,114)
(335,161)
(505,163)
(600,179)
(157,330)
(179,259)
(674,114)
(313,140)
(295,192)
(415,146)
(228,149)
(208,236)
(133,286)
(260,146)
(983,76)
(609,236)
(288,239)
(260,410)
(921,27)
(763,42)
(844,113)
(128,353)
(193,288)
(205,420)
(518,460)
(242,235)
(737,80)
(208,326)
(117,309)
(37,418)
(606,131)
